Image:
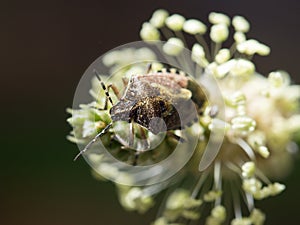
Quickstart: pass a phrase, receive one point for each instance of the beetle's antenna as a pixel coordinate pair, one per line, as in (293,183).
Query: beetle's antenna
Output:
(103,86)
(93,141)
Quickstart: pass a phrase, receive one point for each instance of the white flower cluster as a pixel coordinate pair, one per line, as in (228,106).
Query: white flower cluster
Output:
(261,118)
(261,114)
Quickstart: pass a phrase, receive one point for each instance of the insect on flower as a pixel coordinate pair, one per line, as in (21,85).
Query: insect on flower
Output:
(160,101)
(224,164)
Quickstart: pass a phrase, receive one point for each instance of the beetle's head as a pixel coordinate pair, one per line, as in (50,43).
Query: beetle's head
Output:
(150,112)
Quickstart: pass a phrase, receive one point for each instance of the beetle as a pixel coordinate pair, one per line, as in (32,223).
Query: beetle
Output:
(169,95)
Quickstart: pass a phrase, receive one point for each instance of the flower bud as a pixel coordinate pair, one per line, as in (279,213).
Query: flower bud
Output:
(263,151)
(198,55)
(240,24)
(158,18)
(175,22)
(212,195)
(194,27)
(149,32)
(219,33)
(250,47)
(219,212)
(239,37)
(222,56)
(241,221)
(257,217)
(279,79)
(219,18)
(242,125)
(173,46)
(248,169)
(242,68)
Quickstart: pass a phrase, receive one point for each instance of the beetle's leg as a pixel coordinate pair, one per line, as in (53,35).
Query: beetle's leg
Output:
(178,138)
(148,68)
(106,90)
(125,81)
(131,135)
(93,141)
(131,142)
(115,90)
(144,137)
(136,157)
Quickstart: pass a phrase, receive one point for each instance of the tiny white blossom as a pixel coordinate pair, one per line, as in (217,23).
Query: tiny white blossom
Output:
(222,56)
(223,69)
(110,58)
(219,18)
(219,212)
(257,217)
(133,198)
(241,221)
(198,51)
(235,99)
(175,22)
(158,18)
(250,47)
(180,203)
(219,33)
(248,169)
(242,125)
(212,195)
(149,32)
(263,151)
(173,46)
(263,49)
(212,221)
(263,193)
(198,55)
(279,79)
(193,26)
(89,128)
(239,37)
(276,188)
(242,68)
(252,185)
(177,199)
(240,24)
(256,138)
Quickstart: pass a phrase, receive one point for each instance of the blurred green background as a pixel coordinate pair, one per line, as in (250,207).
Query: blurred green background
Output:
(45,48)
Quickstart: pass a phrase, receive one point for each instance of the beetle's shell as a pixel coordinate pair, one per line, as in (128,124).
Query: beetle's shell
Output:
(145,94)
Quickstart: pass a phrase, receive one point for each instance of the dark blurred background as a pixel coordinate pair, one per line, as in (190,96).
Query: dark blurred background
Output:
(45,48)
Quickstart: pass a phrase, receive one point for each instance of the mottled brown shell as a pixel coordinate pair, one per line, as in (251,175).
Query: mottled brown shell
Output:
(174,98)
